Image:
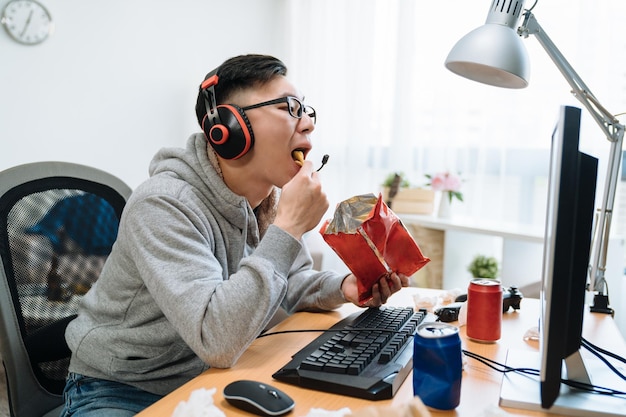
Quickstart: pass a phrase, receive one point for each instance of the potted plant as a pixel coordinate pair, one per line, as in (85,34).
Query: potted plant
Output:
(484,267)
(396,181)
(402,198)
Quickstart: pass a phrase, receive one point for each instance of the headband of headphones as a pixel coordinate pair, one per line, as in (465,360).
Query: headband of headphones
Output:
(208,91)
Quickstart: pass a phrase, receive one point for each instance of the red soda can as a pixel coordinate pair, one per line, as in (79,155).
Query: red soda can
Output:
(484,310)
(437,365)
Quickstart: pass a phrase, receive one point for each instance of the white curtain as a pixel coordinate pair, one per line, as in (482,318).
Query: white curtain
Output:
(373,69)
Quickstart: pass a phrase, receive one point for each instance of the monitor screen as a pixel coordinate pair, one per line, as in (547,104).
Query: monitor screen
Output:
(568,233)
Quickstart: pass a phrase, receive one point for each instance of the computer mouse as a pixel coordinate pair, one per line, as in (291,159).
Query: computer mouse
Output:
(258,398)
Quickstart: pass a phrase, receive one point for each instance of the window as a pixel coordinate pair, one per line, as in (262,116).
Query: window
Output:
(374,71)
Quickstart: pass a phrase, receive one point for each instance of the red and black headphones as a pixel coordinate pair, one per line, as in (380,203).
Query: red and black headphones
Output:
(226,126)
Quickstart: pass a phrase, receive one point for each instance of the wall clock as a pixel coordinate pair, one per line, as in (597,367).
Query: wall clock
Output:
(27,21)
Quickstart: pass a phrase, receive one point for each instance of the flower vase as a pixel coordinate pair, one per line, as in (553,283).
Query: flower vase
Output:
(444,205)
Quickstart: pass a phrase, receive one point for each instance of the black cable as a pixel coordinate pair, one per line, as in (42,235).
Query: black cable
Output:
(596,351)
(535,372)
(351,329)
(497,366)
(595,389)
(295,331)
(603,351)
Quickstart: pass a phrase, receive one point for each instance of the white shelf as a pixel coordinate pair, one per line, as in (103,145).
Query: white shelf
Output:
(479,226)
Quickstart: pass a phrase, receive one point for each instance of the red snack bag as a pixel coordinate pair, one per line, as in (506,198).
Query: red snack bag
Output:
(372,241)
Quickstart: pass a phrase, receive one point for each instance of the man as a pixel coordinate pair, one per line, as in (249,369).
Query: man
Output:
(209,248)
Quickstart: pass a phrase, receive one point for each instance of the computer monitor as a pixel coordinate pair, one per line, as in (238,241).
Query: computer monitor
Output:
(568,230)
(571,201)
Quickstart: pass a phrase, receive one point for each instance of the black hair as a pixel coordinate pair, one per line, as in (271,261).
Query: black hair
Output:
(240,73)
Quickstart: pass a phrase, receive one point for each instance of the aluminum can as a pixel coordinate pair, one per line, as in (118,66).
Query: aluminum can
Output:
(437,365)
(484,310)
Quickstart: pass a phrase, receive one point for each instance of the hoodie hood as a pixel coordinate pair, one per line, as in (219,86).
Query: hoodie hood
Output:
(197,164)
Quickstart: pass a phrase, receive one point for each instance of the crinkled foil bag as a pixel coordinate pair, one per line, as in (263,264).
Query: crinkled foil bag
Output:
(372,241)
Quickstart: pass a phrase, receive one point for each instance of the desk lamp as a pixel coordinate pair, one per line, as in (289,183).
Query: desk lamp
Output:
(494,54)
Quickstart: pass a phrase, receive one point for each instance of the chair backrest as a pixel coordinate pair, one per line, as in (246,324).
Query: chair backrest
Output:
(58,222)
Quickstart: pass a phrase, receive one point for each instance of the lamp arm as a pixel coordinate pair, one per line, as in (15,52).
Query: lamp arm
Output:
(606,120)
(614,132)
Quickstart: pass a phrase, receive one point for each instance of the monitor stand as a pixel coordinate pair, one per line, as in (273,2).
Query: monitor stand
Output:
(523,391)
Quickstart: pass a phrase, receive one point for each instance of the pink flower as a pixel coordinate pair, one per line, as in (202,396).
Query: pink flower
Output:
(447,182)
(444,181)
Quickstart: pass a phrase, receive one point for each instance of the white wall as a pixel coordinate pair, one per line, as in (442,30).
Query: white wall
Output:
(118,79)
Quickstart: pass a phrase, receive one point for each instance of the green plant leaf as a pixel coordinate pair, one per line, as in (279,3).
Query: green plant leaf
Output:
(483,267)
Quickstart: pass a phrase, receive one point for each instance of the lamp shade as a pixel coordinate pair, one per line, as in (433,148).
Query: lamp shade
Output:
(493,54)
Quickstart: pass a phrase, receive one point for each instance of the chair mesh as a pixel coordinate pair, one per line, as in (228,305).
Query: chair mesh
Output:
(52,267)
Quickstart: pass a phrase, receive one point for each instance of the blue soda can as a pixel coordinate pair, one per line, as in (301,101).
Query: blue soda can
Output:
(437,365)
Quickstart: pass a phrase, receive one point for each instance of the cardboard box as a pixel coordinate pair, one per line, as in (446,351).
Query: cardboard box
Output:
(412,200)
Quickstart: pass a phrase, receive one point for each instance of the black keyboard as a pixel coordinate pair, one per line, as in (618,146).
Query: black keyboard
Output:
(366,355)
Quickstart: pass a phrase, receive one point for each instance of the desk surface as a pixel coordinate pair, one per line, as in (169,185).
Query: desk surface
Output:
(480,387)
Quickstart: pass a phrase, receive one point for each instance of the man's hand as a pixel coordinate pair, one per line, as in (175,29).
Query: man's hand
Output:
(381,291)
(302,202)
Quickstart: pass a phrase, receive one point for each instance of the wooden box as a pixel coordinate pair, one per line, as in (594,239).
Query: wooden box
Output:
(411,200)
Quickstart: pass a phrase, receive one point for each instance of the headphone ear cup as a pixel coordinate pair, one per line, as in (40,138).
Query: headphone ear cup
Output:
(233,137)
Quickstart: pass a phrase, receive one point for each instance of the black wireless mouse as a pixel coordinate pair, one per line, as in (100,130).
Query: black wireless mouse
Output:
(258,398)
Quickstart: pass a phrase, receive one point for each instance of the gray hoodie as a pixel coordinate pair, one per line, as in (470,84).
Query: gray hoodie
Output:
(189,283)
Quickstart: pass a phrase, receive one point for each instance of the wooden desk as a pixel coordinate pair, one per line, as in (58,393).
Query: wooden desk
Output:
(480,385)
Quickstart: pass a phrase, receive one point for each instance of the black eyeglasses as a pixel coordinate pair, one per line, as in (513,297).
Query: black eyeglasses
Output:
(294,105)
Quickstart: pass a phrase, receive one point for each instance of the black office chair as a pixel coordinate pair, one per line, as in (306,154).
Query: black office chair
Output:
(58,222)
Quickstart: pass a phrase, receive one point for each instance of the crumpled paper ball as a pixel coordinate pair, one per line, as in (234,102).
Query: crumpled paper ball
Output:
(320,412)
(200,404)
(413,408)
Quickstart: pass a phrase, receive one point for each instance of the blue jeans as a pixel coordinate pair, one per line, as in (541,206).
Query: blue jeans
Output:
(92,397)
